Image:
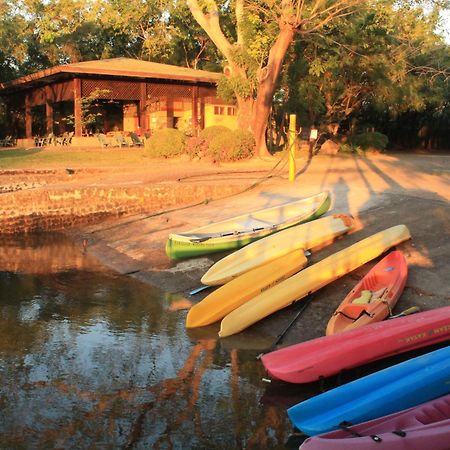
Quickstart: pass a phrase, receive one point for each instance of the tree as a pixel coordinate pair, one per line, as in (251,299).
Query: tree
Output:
(13,48)
(385,58)
(264,30)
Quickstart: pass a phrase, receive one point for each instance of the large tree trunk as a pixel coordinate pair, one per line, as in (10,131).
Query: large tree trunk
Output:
(267,83)
(253,114)
(246,107)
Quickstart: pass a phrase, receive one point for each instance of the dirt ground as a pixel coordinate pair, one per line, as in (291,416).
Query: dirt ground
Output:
(379,191)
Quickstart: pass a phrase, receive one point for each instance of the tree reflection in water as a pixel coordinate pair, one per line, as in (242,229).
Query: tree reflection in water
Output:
(89,359)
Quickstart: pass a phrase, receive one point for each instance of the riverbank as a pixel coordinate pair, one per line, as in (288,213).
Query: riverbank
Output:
(122,213)
(379,191)
(62,190)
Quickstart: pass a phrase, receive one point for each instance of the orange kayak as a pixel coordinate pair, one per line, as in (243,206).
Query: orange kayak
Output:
(374,297)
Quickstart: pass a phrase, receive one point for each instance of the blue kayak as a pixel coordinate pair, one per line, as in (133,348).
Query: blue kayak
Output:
(393,389)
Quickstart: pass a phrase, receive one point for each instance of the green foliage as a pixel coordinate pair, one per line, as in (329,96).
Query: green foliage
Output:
(370,139)
(91,118)
(165,143)
(226,89)
(385,64)
(210,133)
(235,86)
(185,126)
(232,146)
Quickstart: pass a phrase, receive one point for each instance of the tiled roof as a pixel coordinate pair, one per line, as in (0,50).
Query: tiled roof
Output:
(123,67)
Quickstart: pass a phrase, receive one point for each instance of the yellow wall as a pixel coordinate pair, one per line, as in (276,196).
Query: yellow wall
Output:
(211,118)
(181,111)
(130,117)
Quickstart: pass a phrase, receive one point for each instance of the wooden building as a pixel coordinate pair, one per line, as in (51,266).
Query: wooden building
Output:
(130,95)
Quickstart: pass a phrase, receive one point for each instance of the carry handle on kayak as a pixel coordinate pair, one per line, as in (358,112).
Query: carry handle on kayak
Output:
(346,427)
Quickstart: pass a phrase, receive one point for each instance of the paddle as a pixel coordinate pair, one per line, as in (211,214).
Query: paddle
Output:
(198,240)
(200,289)
(406,312)
(305,304)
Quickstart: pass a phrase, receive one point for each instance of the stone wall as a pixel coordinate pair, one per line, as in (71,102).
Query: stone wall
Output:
(48,209)
(17,180)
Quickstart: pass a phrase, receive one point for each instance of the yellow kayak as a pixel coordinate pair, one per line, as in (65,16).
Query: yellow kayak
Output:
(256,254)
(311,279)
(243,288)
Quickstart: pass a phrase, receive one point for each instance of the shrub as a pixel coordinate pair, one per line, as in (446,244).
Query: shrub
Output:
(370,139)
(185,126)
(165,143)
(348,148)
(211,132)
(232,146)
(196,147)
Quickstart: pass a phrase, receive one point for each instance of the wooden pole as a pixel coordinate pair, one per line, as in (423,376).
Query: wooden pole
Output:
(77,106)
(48,109)
(195,110)
(28,117)
(292,136)
(143,120)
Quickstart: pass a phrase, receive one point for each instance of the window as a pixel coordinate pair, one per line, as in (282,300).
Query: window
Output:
(231,111)
(219,110)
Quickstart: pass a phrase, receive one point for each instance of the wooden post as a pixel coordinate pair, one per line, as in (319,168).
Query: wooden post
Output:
(202,114)
(48,110)
(143,123)
(77,106)
(195,123)
(28,117)
(292,136)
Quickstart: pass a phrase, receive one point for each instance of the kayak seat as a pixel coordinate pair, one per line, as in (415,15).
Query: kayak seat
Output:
(352,311)
(368,296)
(364,298)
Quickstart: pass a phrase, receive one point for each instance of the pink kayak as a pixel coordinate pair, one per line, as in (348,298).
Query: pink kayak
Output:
(422,427)
(329,355)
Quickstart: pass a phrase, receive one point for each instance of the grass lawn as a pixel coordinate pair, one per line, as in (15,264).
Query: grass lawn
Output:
(40,158)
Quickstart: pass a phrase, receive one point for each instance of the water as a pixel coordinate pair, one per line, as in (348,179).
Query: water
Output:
(90,359)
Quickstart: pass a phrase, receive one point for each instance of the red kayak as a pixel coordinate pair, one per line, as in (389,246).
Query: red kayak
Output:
(374,297)
(328,355)
(426,426)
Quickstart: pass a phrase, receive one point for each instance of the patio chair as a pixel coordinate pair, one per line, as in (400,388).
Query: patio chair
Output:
(7,142)
(121,141)
(59,139)
(51,139)
(136,140)
(67,140)
(104,141)
(40,141)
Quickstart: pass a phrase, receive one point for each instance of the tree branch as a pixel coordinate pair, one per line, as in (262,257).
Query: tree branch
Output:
(210,23)
(239,20)
(339,9)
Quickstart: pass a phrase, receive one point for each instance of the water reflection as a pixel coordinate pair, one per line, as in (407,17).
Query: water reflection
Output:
(89,359)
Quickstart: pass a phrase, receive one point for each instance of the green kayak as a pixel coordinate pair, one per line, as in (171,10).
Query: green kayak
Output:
(236,232)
